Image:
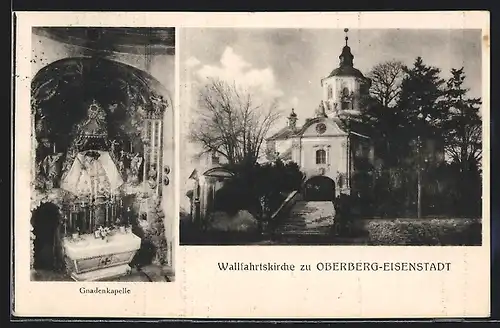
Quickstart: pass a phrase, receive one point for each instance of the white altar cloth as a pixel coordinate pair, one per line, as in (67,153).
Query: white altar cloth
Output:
(88,246)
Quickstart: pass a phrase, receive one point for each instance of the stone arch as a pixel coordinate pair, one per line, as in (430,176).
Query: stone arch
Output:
(319,188)
(48,80)
(62,90)
(215,179)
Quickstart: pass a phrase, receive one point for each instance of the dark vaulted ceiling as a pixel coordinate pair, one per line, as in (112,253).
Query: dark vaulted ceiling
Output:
(133,40)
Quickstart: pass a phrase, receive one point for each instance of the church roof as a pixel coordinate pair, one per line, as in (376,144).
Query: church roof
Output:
(286,155)
(346,71)
(346,65)
(282,134)
(287,133)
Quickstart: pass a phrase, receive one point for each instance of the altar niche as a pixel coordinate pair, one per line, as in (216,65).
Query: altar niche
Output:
(45,221)
(98,151)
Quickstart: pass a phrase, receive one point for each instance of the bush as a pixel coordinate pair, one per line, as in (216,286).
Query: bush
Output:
(259,189)
(430,232)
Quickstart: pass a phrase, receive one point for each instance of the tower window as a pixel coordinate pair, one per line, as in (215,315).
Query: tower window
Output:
(215,157)
(320,156)
(330,92)
(346,99)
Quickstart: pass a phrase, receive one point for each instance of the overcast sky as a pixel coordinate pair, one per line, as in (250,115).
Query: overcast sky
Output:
(289,63)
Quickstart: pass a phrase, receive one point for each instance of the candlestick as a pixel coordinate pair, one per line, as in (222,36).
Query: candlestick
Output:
(128,216)
(153,146)
(111,208)
(105,215)
(158,170)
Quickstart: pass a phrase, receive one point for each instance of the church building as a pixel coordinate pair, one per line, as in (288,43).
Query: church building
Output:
(328,148)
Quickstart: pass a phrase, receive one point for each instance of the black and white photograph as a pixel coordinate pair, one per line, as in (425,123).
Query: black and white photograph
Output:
(335,136)
(102,144)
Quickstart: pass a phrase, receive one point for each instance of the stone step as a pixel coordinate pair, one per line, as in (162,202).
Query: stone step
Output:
(308,219)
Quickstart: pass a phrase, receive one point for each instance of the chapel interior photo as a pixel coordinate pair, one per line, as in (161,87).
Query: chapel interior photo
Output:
(102,154)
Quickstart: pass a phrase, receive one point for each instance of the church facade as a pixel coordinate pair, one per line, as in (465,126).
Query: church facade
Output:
(327,148)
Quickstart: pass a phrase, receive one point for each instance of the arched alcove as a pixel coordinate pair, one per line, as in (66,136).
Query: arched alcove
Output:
(63,90)
(45,220)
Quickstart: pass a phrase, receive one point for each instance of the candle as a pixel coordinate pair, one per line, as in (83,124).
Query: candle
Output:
(112,209)
(54,145)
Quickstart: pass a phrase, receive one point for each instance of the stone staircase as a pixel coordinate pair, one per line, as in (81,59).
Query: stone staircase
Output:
(308,218)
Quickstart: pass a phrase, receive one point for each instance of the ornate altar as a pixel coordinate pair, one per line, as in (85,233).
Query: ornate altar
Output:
(98,242)
(97,168)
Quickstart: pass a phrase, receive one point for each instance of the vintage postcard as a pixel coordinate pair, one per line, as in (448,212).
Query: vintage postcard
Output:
(264,165)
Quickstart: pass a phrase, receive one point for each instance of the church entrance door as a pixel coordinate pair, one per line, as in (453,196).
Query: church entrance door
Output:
(319,188)
(45,221)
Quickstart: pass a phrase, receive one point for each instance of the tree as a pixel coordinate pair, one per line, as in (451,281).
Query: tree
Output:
(386,81)
(419,104)
(463,124)
(259,189)
(231,122)
(380,117)
(463,144)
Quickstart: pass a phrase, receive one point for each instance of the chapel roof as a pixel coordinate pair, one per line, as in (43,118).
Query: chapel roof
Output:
(287,133)
(346,65)
(282,134)
(346,71)
(286,155)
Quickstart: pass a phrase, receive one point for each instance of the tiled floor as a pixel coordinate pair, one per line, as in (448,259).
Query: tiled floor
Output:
(149,273)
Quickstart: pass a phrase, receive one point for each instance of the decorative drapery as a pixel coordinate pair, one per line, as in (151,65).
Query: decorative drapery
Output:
(92,174)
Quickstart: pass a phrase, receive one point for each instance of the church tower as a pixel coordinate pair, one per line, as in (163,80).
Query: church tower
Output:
(344,85)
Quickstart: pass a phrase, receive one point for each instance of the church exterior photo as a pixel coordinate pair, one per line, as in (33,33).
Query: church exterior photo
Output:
(355,173)
(326,150)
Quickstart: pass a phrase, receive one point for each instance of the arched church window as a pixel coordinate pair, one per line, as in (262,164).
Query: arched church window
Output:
(330,92)
(320,156)
(346,101)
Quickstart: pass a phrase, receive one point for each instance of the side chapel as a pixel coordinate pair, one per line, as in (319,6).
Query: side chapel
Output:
(101,128)
(327,148)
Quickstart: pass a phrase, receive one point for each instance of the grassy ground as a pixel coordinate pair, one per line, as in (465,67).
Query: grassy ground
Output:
(381,232)
(425,231)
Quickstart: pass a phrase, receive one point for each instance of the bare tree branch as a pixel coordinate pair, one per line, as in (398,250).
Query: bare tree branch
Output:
(386,82)
(231,123)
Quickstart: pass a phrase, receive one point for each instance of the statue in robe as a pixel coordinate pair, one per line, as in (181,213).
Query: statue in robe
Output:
(92,170)
(135,165)
(152,177)
(320,111)
(51,168)
(113,145)
(159,105)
